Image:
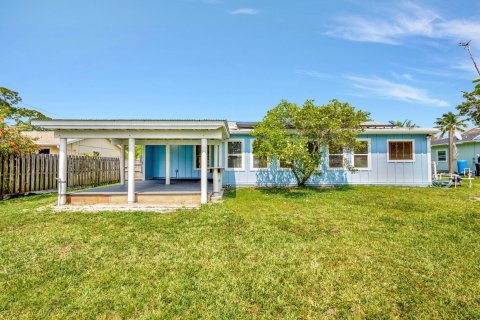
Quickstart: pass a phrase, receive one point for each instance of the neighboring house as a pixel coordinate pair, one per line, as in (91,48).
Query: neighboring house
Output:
(466,149)
(177,150)
(48,144)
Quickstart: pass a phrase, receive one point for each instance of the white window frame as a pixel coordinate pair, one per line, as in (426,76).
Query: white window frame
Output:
(195,156)
(242,154)
(279,168)
(446,156)
(328,159)
(369,155)
(401,140)
(252,168)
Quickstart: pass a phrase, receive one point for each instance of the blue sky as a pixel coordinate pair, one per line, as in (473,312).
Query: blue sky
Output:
(234,60)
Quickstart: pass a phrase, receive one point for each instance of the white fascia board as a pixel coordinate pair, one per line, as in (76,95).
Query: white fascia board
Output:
(455,143)
(140,134)
(174,142)
(400,131)
(373,131)
(133,125)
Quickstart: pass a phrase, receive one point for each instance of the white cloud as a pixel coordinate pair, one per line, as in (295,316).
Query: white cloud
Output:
(409,20)
(397,91)
(403,76)
(247,11)
(467,66)
(312,73)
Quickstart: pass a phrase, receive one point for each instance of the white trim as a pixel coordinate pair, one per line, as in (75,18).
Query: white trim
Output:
(131,171)
(195,156)
(369,155)
(139,134)
(142,158)
(429,160)
(203,172)
(251,160)
(76,124)
(167,164)
(446,156)
(242,154)
(401,140)
(367,131)
(279,168)
(335,154)
(400,131)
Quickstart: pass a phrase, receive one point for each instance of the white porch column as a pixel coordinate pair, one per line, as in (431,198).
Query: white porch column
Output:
(220,164)
(131,170)
(203,169)
(216,190)
(122,164)
(167,164)
(62,172)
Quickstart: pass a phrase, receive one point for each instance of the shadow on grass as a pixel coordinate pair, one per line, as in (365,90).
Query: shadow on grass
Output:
(231,194)
(301,192)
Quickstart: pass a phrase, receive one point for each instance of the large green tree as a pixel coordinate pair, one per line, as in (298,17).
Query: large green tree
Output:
(296,135)
(471,106)
(12,114)
(449,123)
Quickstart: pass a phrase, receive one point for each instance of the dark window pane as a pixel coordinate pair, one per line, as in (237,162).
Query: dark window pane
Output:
(400,150)
(235,161)
(335,149)
(360,161)
(284,164)
(260,163)
(198,156)
(442,155)
(234,147)
(361,147)
(335,161)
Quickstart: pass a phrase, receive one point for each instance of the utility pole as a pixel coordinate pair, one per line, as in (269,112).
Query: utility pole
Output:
(466,45)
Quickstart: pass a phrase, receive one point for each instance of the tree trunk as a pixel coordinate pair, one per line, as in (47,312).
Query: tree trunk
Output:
(450,156)
(303,180)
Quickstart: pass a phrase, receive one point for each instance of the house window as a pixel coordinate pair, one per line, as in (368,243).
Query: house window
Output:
(336,158)
(198,156)
(361,154)
(442,155)
(282,164)
(255,161)
(44,151)
(401,150)
(235,154)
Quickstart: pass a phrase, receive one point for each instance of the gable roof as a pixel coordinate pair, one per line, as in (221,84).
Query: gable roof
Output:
(472,135)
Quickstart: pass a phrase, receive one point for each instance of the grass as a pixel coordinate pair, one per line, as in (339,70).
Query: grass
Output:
(365,252)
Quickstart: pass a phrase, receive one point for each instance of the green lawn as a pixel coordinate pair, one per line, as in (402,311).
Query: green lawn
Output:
(377,252)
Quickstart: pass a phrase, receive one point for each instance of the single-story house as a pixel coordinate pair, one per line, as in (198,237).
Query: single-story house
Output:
(189,161)
(466,149)
(49,144)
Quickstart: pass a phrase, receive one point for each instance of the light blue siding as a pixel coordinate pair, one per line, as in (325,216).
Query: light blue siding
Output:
(381,171)
(466,151)
(181,162)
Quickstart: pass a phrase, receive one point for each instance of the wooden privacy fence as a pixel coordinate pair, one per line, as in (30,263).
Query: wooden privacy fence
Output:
(38,172)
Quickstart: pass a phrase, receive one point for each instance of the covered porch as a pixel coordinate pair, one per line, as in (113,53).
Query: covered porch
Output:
(204,135)
(181,193)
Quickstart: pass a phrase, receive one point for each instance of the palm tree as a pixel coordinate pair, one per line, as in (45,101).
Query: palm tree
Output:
(403,124)
(450,122)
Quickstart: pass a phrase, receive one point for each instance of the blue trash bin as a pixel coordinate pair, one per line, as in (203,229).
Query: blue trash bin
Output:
(461,166)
